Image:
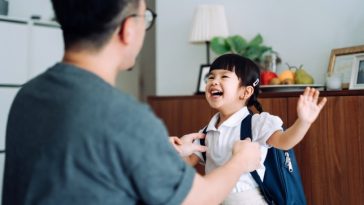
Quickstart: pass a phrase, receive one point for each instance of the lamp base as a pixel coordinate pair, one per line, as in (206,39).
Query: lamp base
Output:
(208,52)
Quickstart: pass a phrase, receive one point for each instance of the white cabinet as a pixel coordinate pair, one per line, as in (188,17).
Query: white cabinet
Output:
(14,52)
(27,48)
(46,48)
(2,160)
(7,95)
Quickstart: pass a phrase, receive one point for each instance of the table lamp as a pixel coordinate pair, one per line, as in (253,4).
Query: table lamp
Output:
(209,21)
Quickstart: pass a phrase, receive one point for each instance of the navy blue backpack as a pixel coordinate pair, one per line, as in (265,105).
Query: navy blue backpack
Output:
(282,183)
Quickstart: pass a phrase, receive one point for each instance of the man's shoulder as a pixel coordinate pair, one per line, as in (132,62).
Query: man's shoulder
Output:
(129,110)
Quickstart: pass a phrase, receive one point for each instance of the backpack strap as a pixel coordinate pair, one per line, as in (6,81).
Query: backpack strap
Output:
(202,142)
(246,132)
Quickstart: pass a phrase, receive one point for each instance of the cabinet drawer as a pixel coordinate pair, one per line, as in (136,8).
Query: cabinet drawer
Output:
(13,52)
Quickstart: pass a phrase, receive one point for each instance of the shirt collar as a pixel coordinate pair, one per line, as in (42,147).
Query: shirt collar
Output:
(232,121)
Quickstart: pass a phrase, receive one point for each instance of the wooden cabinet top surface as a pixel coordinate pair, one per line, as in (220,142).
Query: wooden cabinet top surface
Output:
(276,94)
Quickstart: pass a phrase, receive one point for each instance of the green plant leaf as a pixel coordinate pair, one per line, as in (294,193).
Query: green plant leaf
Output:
(256,41)
(255,52)
(252,53)
(219,45)
(237,43)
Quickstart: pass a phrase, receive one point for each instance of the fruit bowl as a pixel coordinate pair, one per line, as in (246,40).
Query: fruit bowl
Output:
(289,88)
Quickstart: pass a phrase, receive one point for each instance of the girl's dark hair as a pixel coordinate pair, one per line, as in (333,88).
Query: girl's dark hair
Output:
(247,71)
(90,23)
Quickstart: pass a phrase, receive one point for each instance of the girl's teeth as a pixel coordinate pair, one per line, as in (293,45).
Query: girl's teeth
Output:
(216,93)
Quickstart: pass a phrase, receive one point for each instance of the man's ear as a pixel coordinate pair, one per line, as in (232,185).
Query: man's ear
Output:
(246,92)
(126,30)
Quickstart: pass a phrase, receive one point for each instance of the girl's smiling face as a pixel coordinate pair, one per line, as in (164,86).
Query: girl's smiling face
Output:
(223,91)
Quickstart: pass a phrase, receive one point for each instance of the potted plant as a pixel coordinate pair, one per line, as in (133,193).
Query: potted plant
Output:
(254,49)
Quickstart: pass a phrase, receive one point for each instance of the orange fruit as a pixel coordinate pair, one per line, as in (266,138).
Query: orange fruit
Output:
(287,74)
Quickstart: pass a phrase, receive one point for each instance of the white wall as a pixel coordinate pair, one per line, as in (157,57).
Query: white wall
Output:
(303,32)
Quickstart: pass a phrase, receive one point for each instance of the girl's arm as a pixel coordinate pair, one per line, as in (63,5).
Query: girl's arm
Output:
(307,109)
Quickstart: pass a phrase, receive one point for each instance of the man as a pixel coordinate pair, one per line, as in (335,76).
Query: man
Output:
(72,138)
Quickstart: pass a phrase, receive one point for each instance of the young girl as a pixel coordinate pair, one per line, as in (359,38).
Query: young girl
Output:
(233,86)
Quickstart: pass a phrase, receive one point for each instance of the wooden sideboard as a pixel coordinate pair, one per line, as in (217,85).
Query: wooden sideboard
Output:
(331,156)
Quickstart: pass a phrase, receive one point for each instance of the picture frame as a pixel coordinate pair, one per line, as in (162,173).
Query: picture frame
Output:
(357,74)
(202,77)
(341,62)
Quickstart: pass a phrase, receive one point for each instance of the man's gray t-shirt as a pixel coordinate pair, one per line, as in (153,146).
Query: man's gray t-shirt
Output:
(74,139)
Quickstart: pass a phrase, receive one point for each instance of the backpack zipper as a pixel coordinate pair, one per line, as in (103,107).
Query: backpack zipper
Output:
(288,162)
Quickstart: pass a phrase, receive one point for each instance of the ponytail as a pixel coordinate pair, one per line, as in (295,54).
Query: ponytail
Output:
(258,106)
(253,101)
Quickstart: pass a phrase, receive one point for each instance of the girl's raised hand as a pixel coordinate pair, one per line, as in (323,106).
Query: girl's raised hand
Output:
(308,107)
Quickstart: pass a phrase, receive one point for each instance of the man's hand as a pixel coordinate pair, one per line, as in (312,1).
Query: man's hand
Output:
(185,146)
(246,155)
(176,142)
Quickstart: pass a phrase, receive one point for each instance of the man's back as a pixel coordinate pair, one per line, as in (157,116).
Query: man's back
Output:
(74,139)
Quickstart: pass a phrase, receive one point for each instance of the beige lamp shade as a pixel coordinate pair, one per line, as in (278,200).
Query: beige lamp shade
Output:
(209,21)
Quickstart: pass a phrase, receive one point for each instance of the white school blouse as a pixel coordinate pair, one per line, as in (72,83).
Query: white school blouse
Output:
(220,142)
